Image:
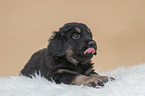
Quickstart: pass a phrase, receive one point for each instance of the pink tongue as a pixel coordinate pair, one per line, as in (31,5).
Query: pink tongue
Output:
(90,51)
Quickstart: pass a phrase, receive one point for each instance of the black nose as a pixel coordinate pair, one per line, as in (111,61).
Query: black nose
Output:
(92,44)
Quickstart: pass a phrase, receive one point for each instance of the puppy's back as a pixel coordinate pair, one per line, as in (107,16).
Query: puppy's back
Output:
(34,63)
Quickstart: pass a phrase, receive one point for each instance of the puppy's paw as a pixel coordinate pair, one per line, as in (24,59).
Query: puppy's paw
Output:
(87,81)
(93,82)
(106,78)
(103,78)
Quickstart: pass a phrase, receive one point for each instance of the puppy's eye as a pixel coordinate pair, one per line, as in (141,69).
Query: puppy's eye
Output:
(75,36)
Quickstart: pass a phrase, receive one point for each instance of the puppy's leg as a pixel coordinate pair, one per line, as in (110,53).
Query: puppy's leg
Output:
(74,78)
(103,78)
(91,73)
(87,81)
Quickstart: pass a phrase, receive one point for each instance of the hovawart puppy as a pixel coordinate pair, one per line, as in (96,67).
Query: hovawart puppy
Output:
(67,59)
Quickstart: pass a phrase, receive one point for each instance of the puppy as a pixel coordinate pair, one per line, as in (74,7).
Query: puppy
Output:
(67,59)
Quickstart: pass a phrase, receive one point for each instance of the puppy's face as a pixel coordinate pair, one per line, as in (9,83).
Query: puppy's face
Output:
(74,41)
(80,46)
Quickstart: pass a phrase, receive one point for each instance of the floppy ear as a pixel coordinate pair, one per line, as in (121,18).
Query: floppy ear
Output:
(57,44)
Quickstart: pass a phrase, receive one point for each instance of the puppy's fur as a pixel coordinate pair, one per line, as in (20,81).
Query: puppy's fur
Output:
(67,58)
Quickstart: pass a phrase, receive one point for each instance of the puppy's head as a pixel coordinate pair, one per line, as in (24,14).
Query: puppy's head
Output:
(74,41)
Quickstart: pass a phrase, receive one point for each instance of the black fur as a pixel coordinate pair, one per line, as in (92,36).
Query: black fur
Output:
(63,52)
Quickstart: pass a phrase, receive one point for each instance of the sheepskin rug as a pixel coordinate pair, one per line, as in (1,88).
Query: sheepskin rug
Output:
(129,82)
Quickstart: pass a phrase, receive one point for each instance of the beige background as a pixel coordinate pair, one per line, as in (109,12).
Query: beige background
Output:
(118,27)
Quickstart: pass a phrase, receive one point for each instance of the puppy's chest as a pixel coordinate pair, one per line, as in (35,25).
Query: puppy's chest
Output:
(80,70)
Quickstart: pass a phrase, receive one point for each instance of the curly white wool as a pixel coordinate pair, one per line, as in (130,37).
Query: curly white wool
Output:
(129,82)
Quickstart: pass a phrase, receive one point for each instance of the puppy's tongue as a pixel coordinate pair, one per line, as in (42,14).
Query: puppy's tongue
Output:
(90,51)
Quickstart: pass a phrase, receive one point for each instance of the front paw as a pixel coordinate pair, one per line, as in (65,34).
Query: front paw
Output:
(103,78)
(93,82)
(106,78)
(87,81)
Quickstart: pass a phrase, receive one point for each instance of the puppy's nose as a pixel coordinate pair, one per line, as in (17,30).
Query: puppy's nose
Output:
(92,44)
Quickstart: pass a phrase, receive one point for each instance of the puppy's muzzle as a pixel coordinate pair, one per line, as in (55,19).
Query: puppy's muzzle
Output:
(92,47)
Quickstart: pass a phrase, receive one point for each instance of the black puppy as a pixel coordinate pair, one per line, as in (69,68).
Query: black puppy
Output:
(67,58)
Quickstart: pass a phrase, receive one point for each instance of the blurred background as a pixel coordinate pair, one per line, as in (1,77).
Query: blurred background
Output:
(118,27)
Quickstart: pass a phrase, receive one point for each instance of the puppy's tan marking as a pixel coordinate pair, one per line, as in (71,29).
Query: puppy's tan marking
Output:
(69,57)
(66,71)
(87,81)
(103,78)
(78,29)
(89,71)
(80,80)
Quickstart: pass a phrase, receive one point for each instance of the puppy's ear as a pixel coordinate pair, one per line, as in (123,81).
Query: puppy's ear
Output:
(57,44)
